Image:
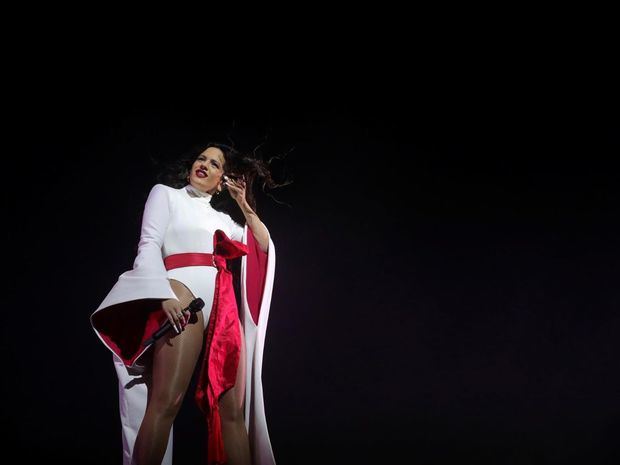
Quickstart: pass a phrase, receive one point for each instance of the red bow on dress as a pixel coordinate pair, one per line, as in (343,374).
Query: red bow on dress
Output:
(222,345)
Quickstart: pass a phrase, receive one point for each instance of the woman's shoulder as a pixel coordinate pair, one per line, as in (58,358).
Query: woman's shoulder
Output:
(164,189)
(162,192)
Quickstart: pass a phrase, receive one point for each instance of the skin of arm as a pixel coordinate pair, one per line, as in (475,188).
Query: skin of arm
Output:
(237,191)
(256,225)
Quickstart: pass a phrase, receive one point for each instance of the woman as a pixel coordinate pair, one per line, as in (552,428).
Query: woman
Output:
(182,253)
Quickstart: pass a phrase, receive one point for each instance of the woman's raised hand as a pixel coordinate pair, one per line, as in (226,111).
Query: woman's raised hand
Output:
(236,188)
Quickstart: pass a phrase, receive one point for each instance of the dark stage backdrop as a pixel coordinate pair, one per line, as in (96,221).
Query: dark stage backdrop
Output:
(446,284)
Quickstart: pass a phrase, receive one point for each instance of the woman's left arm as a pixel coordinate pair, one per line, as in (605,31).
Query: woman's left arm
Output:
(237,192)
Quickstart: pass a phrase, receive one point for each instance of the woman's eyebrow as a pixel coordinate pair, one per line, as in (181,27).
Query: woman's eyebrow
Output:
(209,159)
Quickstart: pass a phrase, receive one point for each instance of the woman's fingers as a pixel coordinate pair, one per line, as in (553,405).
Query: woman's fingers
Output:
(234,182)
(235,186)
(175,318)
(175,314)
(184,319)
(173,322)
(180,319)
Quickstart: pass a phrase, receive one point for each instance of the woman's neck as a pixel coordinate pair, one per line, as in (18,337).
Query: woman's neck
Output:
(197,192)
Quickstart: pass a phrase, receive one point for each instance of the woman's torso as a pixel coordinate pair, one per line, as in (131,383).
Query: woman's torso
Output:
(191,227)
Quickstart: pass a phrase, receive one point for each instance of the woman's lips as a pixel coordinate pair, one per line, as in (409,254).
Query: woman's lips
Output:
(201,174)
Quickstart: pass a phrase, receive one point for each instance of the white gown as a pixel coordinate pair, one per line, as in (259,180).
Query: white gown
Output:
(179,221)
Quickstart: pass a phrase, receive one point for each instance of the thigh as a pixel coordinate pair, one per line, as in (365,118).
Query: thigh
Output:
(231,402)
(241,371)
(175,355)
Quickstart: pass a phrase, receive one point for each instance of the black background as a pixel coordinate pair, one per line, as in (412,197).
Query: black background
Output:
(447,271)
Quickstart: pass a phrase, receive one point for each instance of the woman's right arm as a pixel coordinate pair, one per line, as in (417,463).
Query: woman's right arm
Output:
(155,221)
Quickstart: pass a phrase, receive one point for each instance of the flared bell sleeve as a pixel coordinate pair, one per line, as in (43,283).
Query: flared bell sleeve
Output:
(127,312)
(257,277)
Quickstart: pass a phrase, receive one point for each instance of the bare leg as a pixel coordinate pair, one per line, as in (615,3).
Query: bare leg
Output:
(235,435)
(133,394)
(240,383)
(174,359)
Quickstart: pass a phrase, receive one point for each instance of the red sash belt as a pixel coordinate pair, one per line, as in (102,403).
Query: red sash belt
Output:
(223,340)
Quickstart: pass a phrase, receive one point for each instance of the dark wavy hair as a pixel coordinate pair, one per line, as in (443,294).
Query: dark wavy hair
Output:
(237,164)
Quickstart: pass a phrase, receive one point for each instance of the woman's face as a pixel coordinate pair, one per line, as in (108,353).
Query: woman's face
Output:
(207,170)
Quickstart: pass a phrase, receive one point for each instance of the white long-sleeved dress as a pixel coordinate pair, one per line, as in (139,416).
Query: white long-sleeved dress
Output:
(180,221)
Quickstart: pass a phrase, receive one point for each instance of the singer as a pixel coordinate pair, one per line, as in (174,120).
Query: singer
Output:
(184,248)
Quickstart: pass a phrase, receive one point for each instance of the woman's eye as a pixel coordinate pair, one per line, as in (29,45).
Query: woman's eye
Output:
(212,162)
